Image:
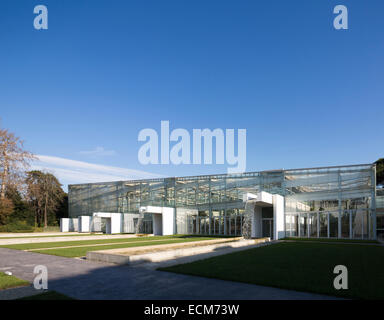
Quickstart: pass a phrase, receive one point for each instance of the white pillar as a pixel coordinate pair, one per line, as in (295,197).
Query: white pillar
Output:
(64,225)
(84,223)
(168,221)
(278,217)
(116,223)
(157,224)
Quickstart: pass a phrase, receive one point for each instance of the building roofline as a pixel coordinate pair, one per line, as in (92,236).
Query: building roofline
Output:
(226,174)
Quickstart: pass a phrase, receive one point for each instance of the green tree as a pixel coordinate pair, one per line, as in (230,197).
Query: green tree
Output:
(22,210)
(380,171)
(6,208)
(45,195)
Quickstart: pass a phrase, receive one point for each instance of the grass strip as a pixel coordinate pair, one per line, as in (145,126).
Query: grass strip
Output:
(299,266)
(101,244)
(82,251)
(7,281)
(331,240)
(28,246)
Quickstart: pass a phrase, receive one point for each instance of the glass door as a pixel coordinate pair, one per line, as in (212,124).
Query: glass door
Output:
(267,228)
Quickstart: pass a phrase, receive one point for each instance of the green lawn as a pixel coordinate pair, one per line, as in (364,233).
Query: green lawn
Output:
(299,266)
(7,282)
(28,246)
(108,244)
(82,251)
(332,240)
(49,295)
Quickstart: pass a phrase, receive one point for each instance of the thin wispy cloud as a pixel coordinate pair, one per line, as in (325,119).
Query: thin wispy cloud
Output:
(72,171)
(99,151)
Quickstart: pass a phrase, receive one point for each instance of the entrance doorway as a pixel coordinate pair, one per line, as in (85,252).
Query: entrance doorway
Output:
(157,224)
(105,225)
(267,228)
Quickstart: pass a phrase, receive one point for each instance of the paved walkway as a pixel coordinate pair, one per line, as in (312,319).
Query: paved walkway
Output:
(64,238)
(17,293)
(82,279)
(32,234)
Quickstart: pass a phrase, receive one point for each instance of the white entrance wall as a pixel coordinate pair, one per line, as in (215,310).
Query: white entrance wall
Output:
(64,225)
(84,223)
(163,219)
(114,222)
(157,224)
(69,225)
(265,199)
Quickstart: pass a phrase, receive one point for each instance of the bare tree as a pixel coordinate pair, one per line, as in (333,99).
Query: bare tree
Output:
(14,160)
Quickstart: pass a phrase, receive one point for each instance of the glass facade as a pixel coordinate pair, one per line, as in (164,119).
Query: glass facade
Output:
(332,202)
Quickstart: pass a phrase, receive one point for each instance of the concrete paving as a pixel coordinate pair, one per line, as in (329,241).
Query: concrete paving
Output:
(19,292)
(34,234)
(64,238)
(82,279)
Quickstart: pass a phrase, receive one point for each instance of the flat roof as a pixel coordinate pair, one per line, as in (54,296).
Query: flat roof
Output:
(234,175)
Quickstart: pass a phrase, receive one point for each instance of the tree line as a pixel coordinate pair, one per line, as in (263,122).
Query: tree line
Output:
(29,199)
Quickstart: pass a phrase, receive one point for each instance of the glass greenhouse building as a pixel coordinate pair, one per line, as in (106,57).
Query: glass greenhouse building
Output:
(329,202)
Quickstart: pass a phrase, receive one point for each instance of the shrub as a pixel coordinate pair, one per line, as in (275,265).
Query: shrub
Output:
(17,226)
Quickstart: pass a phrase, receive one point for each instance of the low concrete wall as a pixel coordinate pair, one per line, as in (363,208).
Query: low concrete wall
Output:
(161,253)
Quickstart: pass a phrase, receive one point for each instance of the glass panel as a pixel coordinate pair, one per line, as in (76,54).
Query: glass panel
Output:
(303,225)
(226,225)
(359,224)
(323,217)
(365,224)
(294,225)
(266,228)
(345,224)
(380,221)
(333,225)
(288,226)
(313,224)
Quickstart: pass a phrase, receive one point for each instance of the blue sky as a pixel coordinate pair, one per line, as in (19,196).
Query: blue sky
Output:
(307,94)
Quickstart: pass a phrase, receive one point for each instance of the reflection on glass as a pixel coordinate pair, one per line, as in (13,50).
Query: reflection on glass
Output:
(313,224)
(345,224)
(303,225)
(359,224)
(323,218)
(333,225)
